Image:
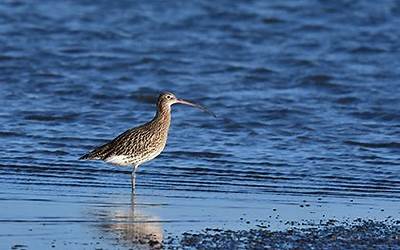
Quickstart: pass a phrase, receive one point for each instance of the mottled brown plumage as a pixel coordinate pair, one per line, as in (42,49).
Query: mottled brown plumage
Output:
(136,144)
(141,144)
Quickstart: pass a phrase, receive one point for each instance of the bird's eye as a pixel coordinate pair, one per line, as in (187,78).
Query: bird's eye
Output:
(169,97)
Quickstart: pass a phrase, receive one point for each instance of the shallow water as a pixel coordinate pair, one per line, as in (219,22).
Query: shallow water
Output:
(306,94)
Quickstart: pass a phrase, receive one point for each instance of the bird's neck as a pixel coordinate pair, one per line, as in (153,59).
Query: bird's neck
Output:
(163,116)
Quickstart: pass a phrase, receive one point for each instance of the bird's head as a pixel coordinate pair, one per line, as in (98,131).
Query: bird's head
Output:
(166,99)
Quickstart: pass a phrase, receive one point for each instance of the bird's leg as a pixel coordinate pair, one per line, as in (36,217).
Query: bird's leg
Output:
(133,201)
(133,179)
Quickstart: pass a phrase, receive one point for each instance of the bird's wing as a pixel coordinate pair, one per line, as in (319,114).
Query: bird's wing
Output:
(131,142)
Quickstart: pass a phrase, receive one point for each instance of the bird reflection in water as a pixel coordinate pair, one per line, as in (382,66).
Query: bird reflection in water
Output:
(132,228)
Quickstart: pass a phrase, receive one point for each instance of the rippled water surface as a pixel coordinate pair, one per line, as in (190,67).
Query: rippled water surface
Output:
(307,96)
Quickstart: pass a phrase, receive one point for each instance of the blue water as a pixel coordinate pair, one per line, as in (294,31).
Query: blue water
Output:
(307,95)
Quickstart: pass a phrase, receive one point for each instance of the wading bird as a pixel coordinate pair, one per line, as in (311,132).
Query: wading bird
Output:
(143,143)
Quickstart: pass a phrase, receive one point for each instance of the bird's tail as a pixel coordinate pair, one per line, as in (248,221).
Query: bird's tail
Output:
(96,154)
(90,156)
(85,157)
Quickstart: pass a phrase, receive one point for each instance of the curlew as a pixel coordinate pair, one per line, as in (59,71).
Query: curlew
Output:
(143,143)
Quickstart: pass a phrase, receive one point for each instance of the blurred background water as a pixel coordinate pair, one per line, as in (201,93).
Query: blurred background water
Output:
(306,93)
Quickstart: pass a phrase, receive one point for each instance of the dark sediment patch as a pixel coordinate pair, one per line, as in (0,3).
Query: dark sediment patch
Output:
(360,234)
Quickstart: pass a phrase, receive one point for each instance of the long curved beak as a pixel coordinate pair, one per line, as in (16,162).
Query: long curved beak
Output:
(186,102)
